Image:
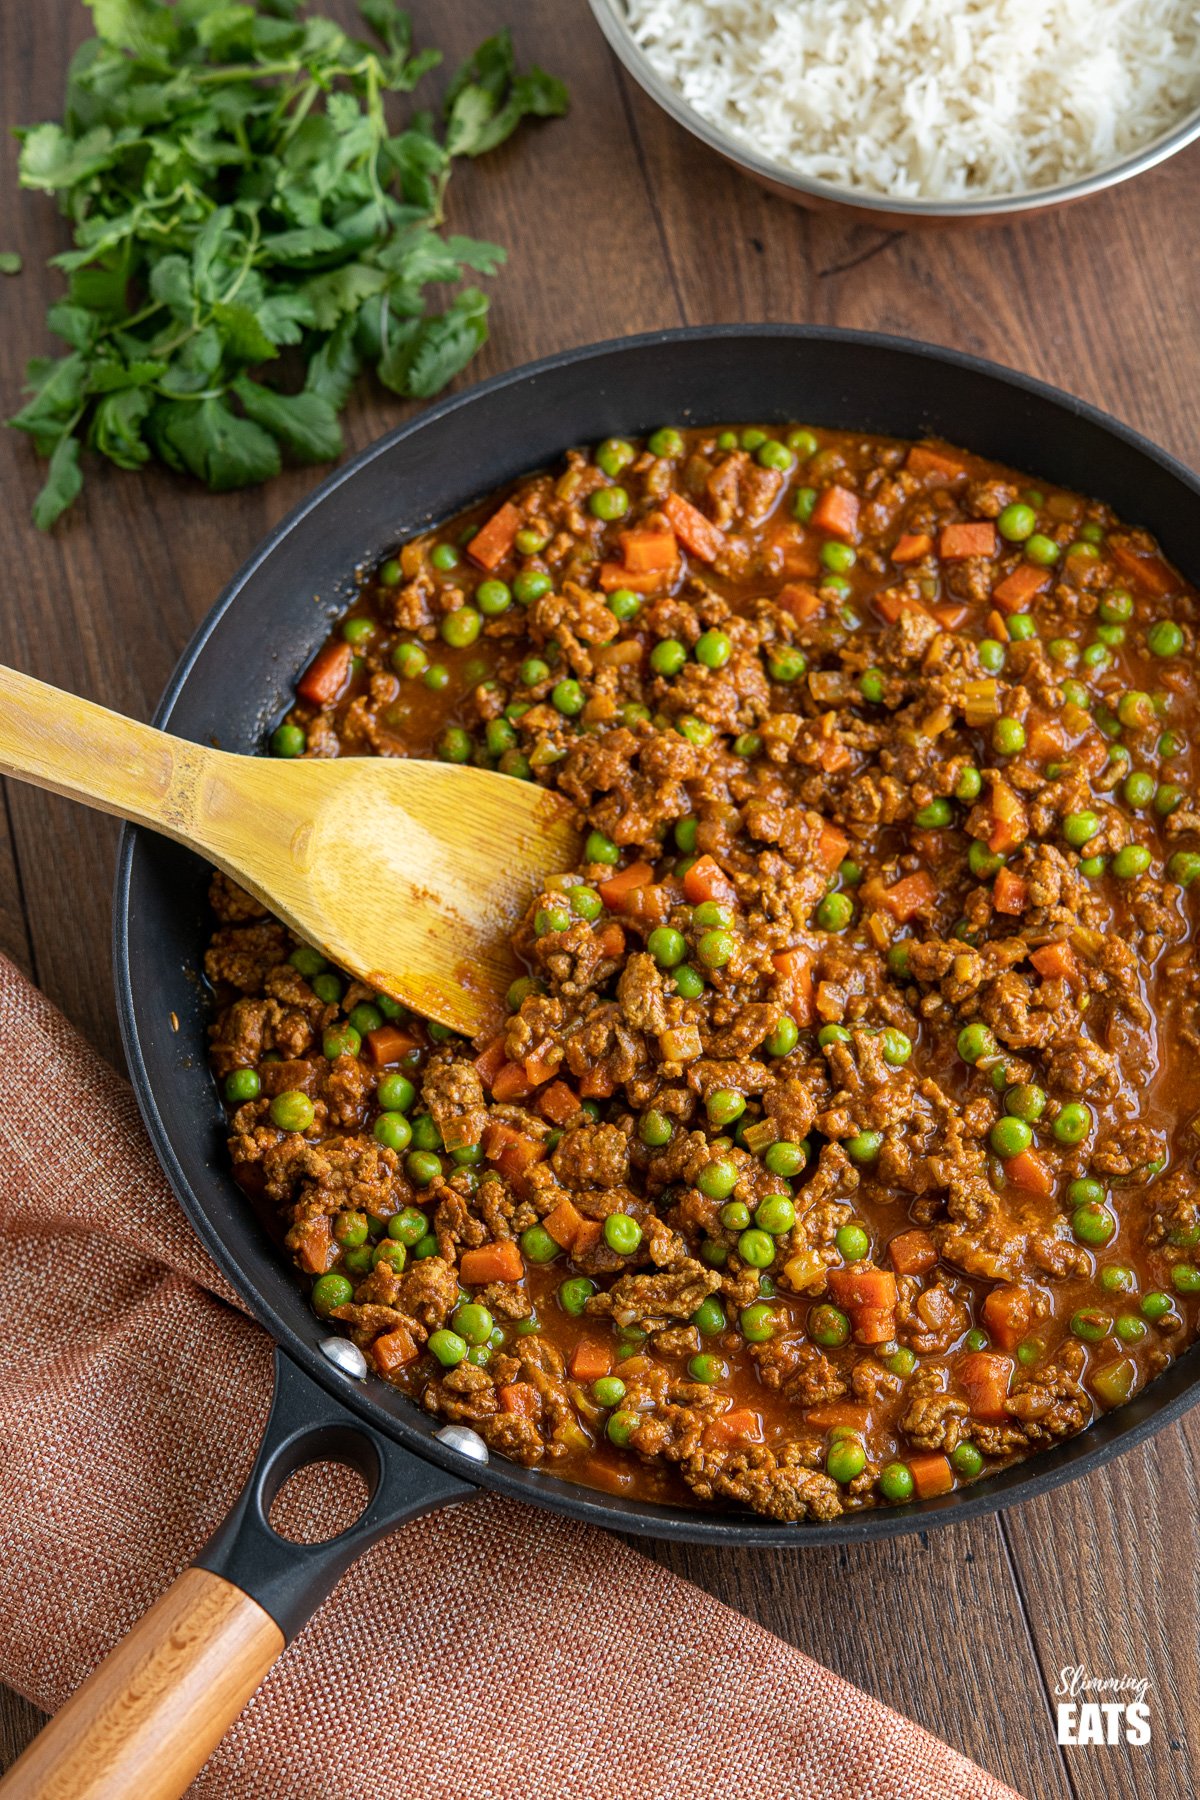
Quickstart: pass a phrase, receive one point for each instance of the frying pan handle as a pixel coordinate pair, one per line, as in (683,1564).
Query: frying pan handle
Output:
(145,1722)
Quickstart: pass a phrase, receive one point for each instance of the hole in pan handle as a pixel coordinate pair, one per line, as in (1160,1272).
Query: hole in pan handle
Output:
(146,1721)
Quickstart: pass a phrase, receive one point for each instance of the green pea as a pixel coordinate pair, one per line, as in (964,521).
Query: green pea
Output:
(609,1390)
(837,557)
(714,1254)
(340,1040)
(1008,736)
(899,960)
(329,1291)
(423,1167)
(288,741)
(982,862)
(242,1085)
(473,1322)
(454,745)
(774,1214)
(409,1226)
(552,918)
(436,678)
(846,1460)
(1042,550)
(897,1047)
(757,1248)
(1167,797)
(1073,1122)
(933,817)
(1164,638)
(448,1347)
(864,1146)
(292,1111)
(828,1326)
(804,503)
(853,1242)
(1010,1137)
(1080,827)
(709,1317)
(574,1295)
(1185,1278)
(835,912)
(494,597)
(871,686)
(1138,788)
(1017,523)
(1118,1278)
(717,1179)
(1130,1329)
(393,1131)
(668,657)
(785,1159)
(667,946)
(991,655)
(621,1427)
(392,1255)
(757,1323)
(902,1362)
(723,1106)
(713,649)
(391,574)
(530,542)
(1090,1324)
(586,903)
(624,604)
(1086,1192)
(966,1460)
(1025,1101)
(786,665)
(774,455)
(444,557)
(1093,867)
(461,627)
(1131,861)
(608,504)
(1093,1224)
(689,983)
(537,1246)
(896,1483)
(424,1247)
(622,1233)
(615,454)
(1022,627)
(716,948)
(1184,867)
(567,697)
(666,442)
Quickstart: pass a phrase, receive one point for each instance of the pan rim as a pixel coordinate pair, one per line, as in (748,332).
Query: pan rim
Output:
(1179,1386)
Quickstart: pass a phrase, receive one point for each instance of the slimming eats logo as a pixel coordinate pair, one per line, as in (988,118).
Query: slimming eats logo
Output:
(1101,1709)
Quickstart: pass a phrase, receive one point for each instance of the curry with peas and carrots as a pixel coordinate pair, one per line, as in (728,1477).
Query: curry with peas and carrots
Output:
(838,1148)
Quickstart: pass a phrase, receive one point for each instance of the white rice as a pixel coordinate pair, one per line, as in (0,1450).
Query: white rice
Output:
(931,99)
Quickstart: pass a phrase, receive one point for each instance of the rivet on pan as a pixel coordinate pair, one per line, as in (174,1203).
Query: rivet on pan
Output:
(464,1440)
(345,1356)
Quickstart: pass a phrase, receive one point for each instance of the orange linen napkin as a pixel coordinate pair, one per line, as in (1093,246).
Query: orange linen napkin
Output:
(492,1650)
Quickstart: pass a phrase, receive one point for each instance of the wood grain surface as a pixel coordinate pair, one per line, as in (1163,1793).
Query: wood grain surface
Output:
(619,222)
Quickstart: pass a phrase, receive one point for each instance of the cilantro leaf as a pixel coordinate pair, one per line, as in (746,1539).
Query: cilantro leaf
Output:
(234,189)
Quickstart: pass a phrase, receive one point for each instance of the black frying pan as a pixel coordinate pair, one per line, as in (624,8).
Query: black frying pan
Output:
(236,678)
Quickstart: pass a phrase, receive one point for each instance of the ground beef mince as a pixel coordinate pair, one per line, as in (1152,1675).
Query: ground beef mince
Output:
(840,1146)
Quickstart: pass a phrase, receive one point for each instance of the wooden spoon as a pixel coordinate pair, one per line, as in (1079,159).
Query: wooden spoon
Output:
(408,874)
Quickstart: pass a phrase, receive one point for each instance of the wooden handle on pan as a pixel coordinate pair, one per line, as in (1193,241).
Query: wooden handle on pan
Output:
(146,1721)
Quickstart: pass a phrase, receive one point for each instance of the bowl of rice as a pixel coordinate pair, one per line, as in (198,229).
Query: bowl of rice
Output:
(910,111)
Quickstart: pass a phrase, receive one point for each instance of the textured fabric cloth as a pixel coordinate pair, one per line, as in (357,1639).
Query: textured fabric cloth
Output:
(492,1650)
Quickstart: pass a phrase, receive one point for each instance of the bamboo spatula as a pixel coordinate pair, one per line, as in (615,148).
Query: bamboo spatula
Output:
(408,874)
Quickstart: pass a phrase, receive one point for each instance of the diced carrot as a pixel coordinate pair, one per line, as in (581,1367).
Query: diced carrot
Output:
(616,890)
(497,1136)
(391,1351)
(388,1043)
(1010,823)
(922,459)
(1150,572)
(590,1359)
(831,847)
(931,1473)
(564,1222)
(738,1426)
(611,939)
(1056,962)
(797,598)
(910,895)
(541,1067)
(891,605)
(521,1398)
(313,1244)
(913,1252)
(490,1061)
(501,1261)
(971,537)
(836,511)
(518,1157)
(707,880)
(861,1285)
(557,1103)
(1018,588)
(798,556)
(458,1132)
(651,904)
(1045,740)
(1028,1171)
(644,550)
(697,534)
(873,1324)
(326,675)
(642,581)
(837,1412)
(911,546)
(984,1378)
(597,1084)
(511,1083)
(1010,893)
(795,971)
(1007,1313)
(492,544)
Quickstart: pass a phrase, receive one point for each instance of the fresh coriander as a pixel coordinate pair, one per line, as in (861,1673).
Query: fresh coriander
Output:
(235,190)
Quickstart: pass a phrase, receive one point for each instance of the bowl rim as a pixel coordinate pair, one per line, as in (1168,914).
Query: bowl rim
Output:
(611,17)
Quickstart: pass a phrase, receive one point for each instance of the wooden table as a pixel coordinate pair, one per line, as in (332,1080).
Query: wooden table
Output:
(618,222)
